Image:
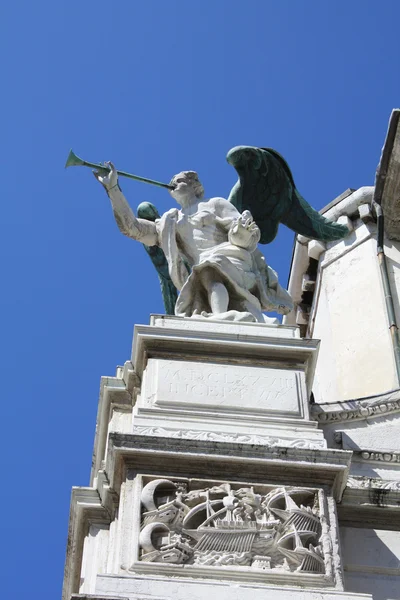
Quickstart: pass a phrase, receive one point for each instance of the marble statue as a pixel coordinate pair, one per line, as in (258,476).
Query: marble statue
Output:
(207,249)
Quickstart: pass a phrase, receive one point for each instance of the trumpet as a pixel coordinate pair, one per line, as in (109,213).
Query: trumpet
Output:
(74,161)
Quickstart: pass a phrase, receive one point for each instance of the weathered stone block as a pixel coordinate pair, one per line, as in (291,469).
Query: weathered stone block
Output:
(315,249)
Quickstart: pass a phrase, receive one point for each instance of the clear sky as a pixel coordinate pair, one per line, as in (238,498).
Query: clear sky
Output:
(157,87)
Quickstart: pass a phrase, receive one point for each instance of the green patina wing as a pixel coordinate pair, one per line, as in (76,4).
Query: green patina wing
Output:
(148,211)
(266,188)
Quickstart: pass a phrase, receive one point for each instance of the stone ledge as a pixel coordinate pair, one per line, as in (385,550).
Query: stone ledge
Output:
(370,507)
(240,330)
(200,458)
(165,588)
(204,418)
(242,575)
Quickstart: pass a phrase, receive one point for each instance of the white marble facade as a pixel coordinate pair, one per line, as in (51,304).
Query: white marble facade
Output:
(210,472)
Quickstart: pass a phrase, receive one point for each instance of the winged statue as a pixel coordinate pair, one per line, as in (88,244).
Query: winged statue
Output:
(206,252)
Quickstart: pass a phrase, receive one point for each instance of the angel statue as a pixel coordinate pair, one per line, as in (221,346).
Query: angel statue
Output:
(207,249)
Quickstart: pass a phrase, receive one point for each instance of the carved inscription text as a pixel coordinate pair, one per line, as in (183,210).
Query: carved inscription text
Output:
(228,385)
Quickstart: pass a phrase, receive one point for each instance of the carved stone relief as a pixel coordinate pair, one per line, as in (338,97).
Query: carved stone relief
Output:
(378,456)
(360,483)
(272,528)
(239,438)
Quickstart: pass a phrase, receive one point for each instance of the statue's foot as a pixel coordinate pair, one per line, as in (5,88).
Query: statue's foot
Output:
(271,320)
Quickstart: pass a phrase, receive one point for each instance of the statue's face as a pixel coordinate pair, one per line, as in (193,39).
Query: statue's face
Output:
(187,188)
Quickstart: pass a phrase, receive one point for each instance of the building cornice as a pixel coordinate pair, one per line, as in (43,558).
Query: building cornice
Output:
(324,466)
(363,408)
(86,509)
(370,506)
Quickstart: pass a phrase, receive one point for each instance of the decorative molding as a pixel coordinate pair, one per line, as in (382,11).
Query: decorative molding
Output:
(363,408)
(119,391)
(145,453)
(361,483)
(376,456)
(238,438)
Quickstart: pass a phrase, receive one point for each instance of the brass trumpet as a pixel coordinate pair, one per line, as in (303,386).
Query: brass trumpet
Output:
(74,161)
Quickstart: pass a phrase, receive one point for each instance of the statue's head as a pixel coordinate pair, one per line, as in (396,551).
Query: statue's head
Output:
(187,186)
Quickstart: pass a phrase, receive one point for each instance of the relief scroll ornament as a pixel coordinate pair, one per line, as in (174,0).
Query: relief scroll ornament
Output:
(224,526)
(239,438)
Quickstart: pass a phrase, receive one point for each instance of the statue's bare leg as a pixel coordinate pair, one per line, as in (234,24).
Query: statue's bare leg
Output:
(218,296)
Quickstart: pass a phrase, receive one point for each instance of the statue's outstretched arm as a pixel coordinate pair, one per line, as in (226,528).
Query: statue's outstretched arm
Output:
(138,229)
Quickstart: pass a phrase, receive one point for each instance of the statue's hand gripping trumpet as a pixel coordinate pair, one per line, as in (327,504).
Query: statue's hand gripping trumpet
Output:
(207,249)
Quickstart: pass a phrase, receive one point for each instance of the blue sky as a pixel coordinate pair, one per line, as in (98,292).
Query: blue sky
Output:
(157,87)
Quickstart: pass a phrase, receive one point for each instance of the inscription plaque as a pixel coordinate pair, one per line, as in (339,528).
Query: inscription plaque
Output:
(224,386)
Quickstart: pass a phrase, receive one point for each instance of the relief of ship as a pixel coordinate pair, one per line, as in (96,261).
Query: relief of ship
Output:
(220,526)
(228,525)
(300,530)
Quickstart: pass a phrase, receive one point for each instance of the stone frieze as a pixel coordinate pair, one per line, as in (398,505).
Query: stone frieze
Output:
(271,441)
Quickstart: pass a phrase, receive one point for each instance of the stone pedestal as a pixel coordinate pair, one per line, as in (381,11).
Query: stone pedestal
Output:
(209,476)
(246,383)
